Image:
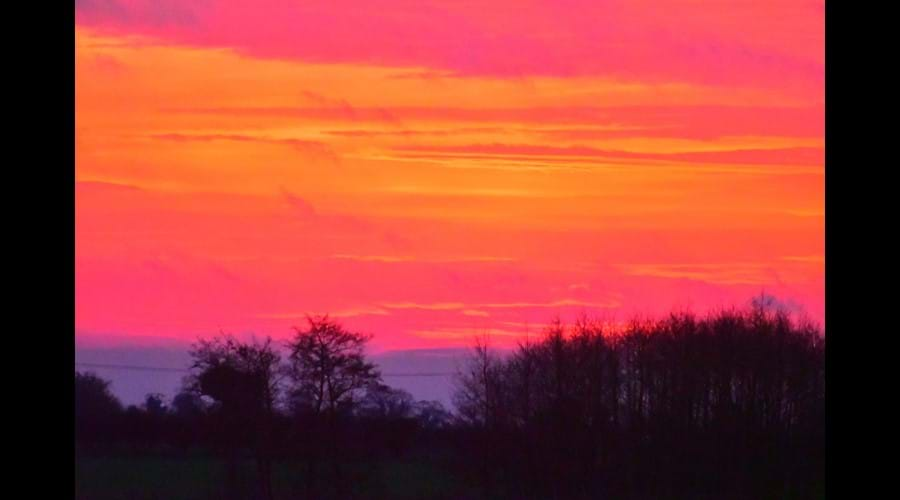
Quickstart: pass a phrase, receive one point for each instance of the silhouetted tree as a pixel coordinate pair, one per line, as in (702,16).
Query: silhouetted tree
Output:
(383,401)
(329,374)
(188,404)
(432,415)
(328,367)
(477,386)
(479,403)
(154,404)
(242,378)
(96,409)
(728,404)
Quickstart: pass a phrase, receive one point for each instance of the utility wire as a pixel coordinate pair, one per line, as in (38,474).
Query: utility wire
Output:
(185,370)
(132,367)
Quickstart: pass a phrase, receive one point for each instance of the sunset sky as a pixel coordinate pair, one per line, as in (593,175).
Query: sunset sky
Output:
(426,171)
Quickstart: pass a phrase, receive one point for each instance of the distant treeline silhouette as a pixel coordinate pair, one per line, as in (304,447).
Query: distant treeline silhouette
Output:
(726,405)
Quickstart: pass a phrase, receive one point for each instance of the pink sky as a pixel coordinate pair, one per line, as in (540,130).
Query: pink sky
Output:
(427,171)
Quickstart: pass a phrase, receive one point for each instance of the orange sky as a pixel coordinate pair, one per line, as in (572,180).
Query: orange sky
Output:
(428,171)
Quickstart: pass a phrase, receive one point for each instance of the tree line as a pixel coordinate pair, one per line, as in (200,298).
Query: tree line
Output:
(322,402)
(729,404)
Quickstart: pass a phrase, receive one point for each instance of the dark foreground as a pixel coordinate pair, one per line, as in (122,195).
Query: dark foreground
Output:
(730,405)
(150,477)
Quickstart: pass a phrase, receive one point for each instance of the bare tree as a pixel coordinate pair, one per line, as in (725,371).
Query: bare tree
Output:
(329,371)
(685,396)
(328,366)
(477,386)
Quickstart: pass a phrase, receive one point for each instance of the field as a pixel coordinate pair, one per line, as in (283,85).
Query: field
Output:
(144,477)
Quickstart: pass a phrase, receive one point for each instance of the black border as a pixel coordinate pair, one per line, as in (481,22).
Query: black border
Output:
(54,314)
(836,126)
(40,297)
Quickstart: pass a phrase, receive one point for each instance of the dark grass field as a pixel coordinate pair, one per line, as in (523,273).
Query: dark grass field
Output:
(201,477)
(144,477)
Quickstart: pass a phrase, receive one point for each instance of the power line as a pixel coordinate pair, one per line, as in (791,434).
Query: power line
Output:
(133,367)
(185,370)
